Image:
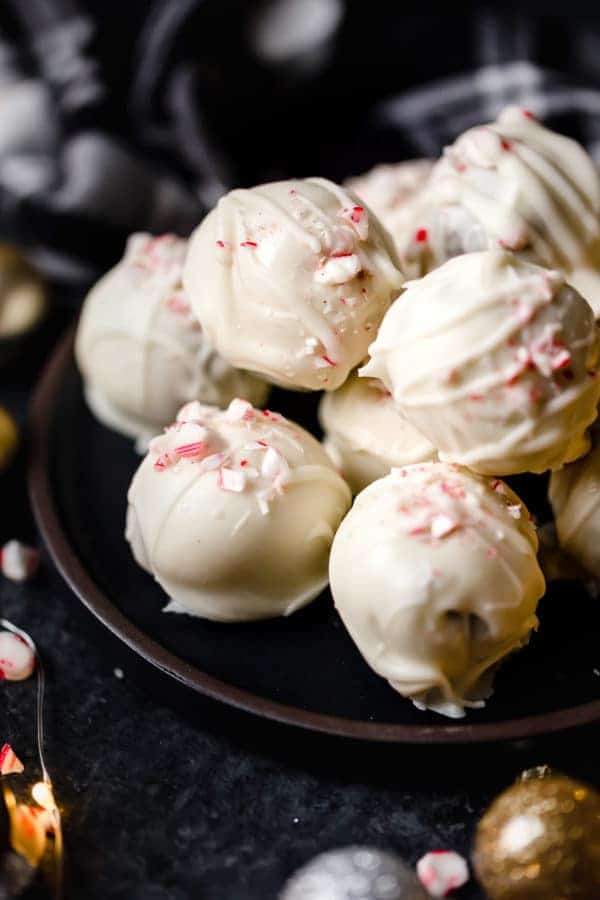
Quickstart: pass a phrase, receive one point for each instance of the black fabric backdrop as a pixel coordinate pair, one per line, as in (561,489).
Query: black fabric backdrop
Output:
(121,116)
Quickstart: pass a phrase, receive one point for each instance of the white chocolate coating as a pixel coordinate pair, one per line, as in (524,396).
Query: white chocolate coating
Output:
(575,498)
(366,435)
(234,512)
(514,184)
(447,585)
(291,280)
(389,190)
(494,360)
(141,351)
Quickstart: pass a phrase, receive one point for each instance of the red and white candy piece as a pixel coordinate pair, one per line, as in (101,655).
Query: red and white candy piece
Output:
(442,871)
(18,561)
(17,659)
(239,411)
(10,764)
(339,268)
(358,218)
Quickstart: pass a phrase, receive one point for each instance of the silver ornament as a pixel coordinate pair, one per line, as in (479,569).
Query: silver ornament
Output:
(354,873)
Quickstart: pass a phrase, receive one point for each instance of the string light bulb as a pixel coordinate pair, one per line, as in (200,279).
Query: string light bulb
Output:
(31,825)
(43,795)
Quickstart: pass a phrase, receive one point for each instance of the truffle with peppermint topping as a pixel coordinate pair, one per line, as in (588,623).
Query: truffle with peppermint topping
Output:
(390,189)
(575,498)
(365,435)
(494,360)
(291,280)
(512,184)
(448,581)
(140,349)
(233,512)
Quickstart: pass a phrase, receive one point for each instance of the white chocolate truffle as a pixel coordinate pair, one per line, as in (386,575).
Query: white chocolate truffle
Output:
(514,184)
(141,351)
(575,498)
(291,280)
(494,360)
(365,435)
(447,585)
(389,189)
(234,511)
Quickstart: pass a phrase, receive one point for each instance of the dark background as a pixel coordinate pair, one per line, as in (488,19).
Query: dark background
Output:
(176,96)
(204,803)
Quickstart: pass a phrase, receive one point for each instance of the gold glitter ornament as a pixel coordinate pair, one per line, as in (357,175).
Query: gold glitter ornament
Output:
(8,438)
(540,840)
(23,300)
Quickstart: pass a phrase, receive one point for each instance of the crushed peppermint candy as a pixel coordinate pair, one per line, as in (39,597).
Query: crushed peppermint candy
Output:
(324,362)
(192,451)
(190,441)
(358,218)
(310,346)
(239,411)
(339,268)
(514,510)
(164,461)
(194,411)
(231,480)
(17,659)
(178,304)
(10,764)
(164,253)
(18,561)
(443,525)
(453,489)
(442,871)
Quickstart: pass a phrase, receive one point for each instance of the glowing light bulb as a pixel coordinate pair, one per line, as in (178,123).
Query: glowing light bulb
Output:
(43,795)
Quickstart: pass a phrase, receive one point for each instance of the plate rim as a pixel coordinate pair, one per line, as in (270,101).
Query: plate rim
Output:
(102,607)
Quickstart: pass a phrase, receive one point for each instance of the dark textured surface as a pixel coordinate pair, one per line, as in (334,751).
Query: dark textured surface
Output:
(158,807)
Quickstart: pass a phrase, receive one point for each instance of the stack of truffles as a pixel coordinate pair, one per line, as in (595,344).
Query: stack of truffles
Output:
(483,365)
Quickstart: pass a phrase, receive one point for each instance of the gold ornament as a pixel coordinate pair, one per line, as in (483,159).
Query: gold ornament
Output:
(8,438)
(22,295)
(540,840)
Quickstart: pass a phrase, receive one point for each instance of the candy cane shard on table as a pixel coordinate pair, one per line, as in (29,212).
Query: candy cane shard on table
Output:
(441,872)
(10,764)
(18,562)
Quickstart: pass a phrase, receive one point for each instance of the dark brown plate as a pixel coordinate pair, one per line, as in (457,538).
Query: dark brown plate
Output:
(303,670)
